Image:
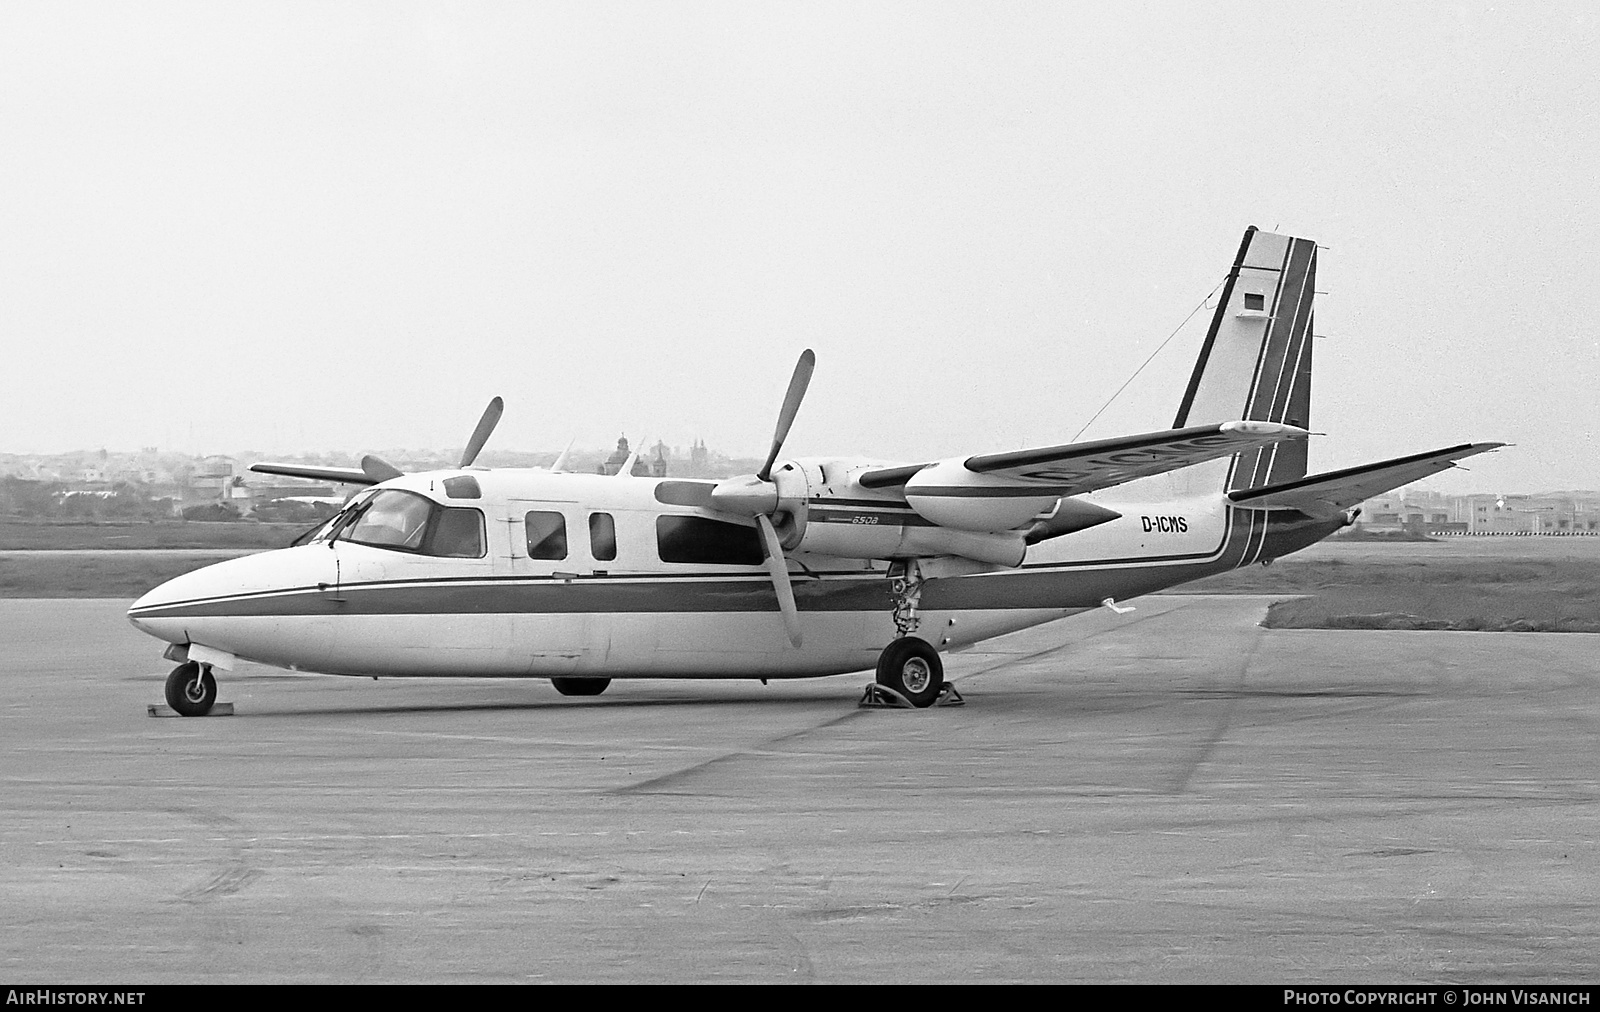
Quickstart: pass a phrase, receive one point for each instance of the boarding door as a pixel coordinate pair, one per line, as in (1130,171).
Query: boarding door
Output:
(547,600)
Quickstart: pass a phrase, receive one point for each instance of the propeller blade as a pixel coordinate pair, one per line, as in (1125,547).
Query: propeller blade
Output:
(480,435)
(791,406)
(778,568)
(561,461)
(379,469)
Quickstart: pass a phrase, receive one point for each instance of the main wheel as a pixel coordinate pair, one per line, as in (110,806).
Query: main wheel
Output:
(912,668)
(191,690)
(580,686)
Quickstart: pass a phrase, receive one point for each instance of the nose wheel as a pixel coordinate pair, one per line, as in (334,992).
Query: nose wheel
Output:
(911,667)
(191,690)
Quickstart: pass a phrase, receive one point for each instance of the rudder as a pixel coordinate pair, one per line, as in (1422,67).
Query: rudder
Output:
(1256,360)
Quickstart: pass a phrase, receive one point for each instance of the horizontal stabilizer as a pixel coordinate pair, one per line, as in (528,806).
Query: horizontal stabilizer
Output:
(1334,491)
(347,475)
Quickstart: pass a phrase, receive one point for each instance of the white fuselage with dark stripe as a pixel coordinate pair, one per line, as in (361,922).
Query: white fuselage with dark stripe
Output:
(346,608)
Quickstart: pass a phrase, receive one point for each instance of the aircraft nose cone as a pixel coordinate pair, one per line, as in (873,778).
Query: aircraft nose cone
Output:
(201,601)
(142,613)
(133,617)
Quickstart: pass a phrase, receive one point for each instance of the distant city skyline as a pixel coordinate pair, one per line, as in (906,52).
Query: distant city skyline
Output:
(587,456)
(348,226)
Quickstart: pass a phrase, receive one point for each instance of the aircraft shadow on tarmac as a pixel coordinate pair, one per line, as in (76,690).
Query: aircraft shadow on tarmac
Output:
(1048,702)
(260,709)
(1064,705)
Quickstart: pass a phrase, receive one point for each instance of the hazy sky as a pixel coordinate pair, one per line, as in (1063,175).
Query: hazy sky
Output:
(317,226)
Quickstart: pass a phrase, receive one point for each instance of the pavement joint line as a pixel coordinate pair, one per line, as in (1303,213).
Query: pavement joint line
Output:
(1024,658)
(755,751)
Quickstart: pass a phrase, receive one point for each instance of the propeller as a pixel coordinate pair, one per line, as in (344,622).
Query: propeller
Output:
(375,469)
(756,495)
(480,435)
(778,569)
(561,461)
(791,407)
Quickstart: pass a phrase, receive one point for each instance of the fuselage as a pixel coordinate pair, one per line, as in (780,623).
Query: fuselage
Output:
(528,573)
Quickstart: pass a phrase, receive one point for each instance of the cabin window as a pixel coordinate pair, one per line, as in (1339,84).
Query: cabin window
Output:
(707,542)
(602,537)
(407,522)
(1252,300)
(547,534)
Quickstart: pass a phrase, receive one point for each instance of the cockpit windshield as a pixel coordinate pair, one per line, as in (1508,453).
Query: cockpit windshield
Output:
(329,527)
(407,522)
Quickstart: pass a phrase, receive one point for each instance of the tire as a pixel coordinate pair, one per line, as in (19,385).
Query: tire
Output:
(912,668)
(191,690)
(580,686)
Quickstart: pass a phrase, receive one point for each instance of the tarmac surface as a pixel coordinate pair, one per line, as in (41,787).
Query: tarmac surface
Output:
(1174,795)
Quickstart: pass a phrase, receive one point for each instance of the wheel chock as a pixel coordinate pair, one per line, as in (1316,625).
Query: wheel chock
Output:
(163,710)
(881,697)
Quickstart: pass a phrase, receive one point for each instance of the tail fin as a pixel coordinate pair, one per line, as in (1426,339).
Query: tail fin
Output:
(1256,360)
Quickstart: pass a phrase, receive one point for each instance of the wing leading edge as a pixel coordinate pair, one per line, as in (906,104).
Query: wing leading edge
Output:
(1333,491)
(1076,468)
(348,475)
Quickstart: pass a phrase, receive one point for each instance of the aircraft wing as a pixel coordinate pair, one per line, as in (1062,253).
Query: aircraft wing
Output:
(1333,491)
(348,475)
(1076,468)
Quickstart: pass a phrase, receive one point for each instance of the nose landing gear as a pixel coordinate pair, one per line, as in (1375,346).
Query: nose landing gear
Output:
(191,689)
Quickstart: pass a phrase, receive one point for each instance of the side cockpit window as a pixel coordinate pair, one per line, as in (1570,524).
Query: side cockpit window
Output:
(458,534)
(407,522)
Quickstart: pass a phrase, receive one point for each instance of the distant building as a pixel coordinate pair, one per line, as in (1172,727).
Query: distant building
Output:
(1397,511)
(213,478)
(613,463)
(1430,512)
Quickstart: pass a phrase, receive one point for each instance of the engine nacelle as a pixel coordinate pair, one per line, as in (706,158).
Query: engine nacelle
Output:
(821,508)
(893,541)
(949,495)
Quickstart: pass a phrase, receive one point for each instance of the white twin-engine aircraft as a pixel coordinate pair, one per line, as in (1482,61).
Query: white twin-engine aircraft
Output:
(814,566)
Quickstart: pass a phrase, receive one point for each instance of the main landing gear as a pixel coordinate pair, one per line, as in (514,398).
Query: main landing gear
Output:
(580,686)
(191,690)
(911,668)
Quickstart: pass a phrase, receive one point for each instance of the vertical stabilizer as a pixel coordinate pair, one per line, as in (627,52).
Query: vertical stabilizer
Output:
(1256,360)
